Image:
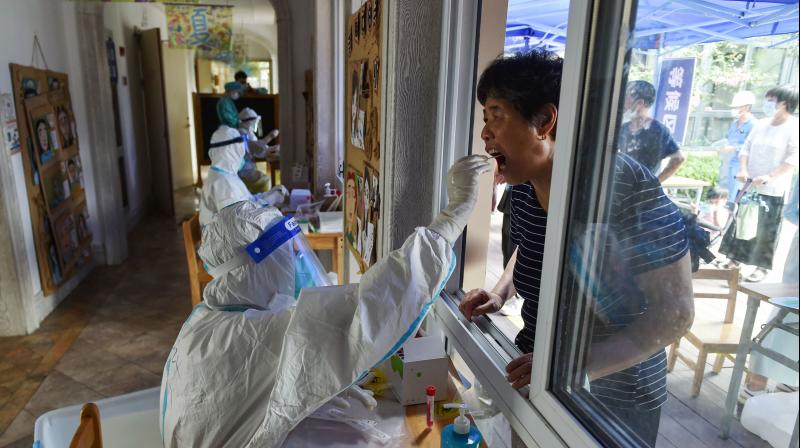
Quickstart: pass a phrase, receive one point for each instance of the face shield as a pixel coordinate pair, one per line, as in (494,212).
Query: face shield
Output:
(308,271)
(279,262)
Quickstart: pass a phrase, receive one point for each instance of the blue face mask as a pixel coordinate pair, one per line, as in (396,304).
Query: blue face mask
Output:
(241,165)
(769,108)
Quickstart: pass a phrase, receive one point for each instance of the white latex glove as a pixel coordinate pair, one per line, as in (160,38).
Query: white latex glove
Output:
(354,392)
(462,192)
(273,134)
(274,197)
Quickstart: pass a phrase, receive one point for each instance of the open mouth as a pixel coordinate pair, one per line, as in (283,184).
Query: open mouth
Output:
(499,158)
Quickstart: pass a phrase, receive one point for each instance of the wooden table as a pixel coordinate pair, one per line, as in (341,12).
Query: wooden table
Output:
(675,183)
(756,293)
(417,419)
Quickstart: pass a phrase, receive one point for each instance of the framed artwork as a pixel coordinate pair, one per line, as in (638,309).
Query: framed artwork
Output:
(56,187)
(53,172)
(65,126)
(82,224)
(71,168)
(67,238)
(43,129)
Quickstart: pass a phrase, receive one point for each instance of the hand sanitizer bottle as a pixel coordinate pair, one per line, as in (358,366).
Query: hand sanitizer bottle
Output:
(460,433)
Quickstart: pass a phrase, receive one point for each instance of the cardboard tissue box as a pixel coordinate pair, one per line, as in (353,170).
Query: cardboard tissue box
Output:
(421,362)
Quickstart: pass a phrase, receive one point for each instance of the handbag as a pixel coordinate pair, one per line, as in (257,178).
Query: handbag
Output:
(747,217)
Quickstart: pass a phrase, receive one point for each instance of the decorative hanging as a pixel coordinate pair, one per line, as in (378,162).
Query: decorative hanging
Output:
(206,28)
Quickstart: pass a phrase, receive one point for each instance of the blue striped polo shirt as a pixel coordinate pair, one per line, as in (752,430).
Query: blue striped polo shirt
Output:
(645,232)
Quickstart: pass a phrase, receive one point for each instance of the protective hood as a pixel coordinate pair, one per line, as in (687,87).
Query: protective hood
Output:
(227,157)
(250,121)
(223,187)
(259,259)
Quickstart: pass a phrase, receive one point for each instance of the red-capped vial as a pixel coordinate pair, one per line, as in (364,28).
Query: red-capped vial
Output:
(430,391)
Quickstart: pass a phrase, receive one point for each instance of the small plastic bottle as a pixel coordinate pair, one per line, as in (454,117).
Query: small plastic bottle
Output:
(460,433)
(430,393)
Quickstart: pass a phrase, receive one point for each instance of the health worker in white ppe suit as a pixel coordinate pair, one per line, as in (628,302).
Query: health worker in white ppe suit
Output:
(223,187)
(251,361)
(256,181)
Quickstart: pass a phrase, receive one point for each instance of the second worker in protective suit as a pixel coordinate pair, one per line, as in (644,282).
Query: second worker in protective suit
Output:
(223,187)
(256,181)
(264,350)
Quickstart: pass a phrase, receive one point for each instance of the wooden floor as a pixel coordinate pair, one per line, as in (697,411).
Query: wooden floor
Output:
(110,336)
(694,422)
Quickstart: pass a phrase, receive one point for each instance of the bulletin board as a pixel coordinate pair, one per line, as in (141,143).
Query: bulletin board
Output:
(362,133)
(53,173)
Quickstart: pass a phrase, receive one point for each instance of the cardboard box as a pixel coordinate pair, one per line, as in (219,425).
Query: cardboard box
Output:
(422,363)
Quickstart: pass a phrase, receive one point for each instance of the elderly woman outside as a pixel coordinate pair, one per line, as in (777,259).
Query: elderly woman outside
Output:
(645,299)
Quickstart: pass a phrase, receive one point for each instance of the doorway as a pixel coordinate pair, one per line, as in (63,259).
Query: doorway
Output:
(151,61)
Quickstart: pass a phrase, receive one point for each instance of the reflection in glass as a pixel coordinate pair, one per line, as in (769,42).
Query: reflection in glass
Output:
(699,157)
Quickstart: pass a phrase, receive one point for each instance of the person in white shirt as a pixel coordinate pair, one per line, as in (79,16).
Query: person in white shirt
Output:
(768,158)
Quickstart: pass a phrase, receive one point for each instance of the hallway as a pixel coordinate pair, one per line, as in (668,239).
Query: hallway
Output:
(110,336)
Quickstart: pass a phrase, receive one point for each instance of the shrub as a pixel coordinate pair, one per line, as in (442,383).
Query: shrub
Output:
(701,166)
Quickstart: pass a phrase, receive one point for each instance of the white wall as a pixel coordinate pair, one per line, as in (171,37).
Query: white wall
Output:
(49,20)
(16,41)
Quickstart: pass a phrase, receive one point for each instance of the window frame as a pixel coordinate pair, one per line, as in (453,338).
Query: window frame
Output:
(542,419)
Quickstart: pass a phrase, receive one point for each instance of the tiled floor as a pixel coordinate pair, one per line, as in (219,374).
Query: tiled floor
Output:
(108,337)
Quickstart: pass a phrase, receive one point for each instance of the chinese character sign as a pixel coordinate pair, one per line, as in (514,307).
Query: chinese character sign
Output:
(206,28)
(674,94)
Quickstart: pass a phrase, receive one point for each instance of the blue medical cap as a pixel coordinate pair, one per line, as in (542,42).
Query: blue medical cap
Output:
(233,85)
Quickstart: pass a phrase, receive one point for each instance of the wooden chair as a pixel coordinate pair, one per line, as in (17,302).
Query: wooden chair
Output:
(198,277)
(88,434)
(333,242)
(720,337)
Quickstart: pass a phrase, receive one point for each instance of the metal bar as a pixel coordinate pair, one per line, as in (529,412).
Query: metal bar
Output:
(708,32)
(784,41)
(767,328)
(785,360)
(548,28)
(738,368)
(769,18)
(676,27)
(715,10)
(788,329)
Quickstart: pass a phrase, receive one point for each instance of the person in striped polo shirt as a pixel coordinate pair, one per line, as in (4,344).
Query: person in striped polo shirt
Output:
(641,286)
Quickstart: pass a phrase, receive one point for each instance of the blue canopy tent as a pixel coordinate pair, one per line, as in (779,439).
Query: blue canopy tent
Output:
(660,23)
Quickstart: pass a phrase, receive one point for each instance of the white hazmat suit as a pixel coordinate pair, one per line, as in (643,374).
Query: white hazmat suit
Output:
(250,362)
(255,180)
(223,187)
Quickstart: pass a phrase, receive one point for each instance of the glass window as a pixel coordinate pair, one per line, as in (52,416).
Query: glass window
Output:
(695,155)
(525,30)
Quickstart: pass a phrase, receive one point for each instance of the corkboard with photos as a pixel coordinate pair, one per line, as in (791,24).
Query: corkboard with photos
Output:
(362,133)
(53,173)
